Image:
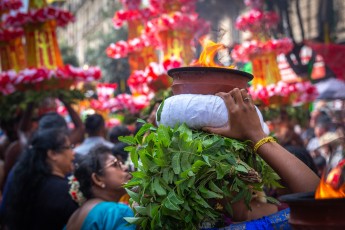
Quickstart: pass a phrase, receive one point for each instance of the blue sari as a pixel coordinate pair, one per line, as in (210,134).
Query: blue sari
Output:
(108,215)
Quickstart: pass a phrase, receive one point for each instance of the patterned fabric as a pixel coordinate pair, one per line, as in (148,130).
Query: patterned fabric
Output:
(276,221)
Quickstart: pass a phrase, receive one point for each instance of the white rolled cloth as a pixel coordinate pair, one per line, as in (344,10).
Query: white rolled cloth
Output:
(197,111)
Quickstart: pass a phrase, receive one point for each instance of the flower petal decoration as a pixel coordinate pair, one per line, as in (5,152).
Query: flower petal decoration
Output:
(20,19)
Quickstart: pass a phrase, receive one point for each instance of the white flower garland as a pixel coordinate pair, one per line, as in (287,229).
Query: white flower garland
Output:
(74,191)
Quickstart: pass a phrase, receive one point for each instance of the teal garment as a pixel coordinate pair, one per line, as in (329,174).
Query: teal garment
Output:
(108,215)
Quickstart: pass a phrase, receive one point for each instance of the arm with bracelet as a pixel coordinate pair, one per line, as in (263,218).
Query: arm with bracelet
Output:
(244,124)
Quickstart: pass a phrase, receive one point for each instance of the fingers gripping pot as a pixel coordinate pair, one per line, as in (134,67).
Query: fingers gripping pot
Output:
(196,111)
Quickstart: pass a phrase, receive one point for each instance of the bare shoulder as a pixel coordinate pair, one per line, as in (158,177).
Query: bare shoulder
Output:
(76,221)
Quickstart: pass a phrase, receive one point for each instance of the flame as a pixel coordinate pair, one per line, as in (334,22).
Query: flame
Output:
(210,49)
(331,184)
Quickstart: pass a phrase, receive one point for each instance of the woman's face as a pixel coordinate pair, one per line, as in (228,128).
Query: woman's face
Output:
(65,158)
(114,174)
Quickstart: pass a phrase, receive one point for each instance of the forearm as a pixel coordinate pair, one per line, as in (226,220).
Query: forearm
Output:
(297,176)
(77,134)
(74,116)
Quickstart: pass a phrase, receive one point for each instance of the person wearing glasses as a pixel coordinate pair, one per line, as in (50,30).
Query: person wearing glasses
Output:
(101,178)
(38,195)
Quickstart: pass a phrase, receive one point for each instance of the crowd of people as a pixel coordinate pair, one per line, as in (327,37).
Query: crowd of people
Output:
(40,155)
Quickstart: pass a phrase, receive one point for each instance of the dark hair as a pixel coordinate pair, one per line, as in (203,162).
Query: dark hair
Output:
(119,149)
(93,162)
(320,162)
(94,123)
(29,173)
(52,120)
(9,126)
(118,131)
(291,138)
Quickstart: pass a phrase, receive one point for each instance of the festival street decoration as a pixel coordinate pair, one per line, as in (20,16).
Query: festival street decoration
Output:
(158,40)
(38,65)
(197,176)
(139,54)
(32,68)
(262,50)
(332,55)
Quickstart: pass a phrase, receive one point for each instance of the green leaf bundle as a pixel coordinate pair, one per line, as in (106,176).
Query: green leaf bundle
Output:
(180,171)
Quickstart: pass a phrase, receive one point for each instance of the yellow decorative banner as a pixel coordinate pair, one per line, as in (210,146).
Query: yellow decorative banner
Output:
(139,60)
(265,69)
(12,55)
(177,44)
(41,45)
(37,4)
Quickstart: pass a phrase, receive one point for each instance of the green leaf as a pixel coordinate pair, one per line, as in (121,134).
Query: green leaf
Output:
(146,161)
(197,165)
(185,163)
(133,195)
(139,120)
(209,194)
(214,187)
(143,130)
(273,200)
(128,140)
(241,168)
(154,209)
(134,220)
(163,135)
(132,183)
(158,188)
(185,133)
(141,210)
(168,204)
(176,163)
(159,111)
(222,170)
(139,174)
(180,169)
(206,159)
(174,198)
(191,182)
(135,158)
(201,201)
(165,175)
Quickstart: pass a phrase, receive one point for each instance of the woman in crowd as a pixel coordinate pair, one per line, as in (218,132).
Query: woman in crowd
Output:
(37,197)
(244,124)
(101,177)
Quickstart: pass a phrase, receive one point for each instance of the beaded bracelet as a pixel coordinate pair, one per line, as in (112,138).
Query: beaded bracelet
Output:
(263,141)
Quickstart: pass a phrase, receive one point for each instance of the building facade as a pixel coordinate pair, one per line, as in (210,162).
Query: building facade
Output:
(92,17)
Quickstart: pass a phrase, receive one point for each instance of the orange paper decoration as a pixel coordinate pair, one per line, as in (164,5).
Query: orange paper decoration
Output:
(42,46)
(37,4)
(139,60)
(12,55)
(265,69)
(178,44)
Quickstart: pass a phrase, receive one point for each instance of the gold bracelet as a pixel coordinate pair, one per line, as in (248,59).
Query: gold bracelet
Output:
(263,141)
